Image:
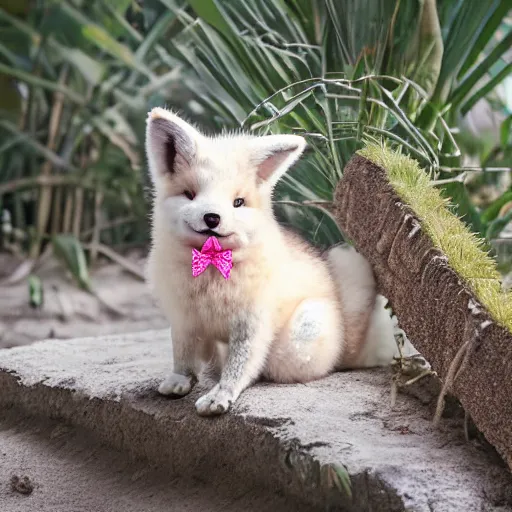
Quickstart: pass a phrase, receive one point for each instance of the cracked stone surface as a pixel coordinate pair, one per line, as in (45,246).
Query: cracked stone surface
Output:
(283,438)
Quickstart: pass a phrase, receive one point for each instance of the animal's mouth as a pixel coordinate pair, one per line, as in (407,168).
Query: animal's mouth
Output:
(210,232)
(196,238)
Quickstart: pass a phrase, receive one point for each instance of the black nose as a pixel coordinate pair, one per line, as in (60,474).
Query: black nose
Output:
(212,220)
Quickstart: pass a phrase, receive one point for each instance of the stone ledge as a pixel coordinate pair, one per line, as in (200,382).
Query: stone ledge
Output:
(282,437)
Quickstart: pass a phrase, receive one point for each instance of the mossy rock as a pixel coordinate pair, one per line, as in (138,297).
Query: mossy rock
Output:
(444,288)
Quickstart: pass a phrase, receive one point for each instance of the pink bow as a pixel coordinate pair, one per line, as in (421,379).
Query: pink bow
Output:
(212,254)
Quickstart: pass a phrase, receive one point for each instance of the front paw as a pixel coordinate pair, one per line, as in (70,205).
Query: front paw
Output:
(217,401)
(176,384)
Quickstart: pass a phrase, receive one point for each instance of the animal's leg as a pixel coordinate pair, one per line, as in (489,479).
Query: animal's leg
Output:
(248,346)
(309,346)
(185,366)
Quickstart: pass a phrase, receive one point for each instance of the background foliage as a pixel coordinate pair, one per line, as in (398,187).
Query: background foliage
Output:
(78,76)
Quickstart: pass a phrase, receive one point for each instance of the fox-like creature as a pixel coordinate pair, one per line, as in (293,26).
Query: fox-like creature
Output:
(287,313)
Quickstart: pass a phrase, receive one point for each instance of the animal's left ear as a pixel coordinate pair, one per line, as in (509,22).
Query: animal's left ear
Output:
(273,155)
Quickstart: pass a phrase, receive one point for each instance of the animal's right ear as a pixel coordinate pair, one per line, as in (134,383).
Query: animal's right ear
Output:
(170,143)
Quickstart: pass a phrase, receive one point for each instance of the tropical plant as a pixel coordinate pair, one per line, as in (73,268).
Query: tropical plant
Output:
(340,72)
(76,80)
(77,77)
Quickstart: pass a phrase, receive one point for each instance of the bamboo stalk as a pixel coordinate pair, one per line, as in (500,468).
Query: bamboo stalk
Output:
(41,82)
(68,213)
(128,265)
(96,229)
(26,138)
(109,225)
(57,211)
(36,181)
(45,194)
(77,214)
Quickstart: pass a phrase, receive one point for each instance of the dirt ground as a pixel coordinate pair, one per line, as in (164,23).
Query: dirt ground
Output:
(69,312)
(47,466)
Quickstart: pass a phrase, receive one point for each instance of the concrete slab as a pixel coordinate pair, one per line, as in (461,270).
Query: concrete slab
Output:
(293,439)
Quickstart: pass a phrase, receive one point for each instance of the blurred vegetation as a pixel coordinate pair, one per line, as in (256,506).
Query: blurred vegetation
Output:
(77,78)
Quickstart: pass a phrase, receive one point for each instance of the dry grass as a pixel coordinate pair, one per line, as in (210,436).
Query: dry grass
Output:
(464,250)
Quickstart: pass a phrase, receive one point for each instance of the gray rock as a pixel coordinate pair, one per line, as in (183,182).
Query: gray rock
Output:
(334,443)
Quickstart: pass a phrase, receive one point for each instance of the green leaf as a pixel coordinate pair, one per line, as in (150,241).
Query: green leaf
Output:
(337,475)
(70,251)
(486,89)
(14,59)
(120,6)
(93,70)
(32,79)
(211,12)
(114,20)
(99,37)
(33,143)
(498,225)
(158,29)
(466,24)
(472,78)
(343,479)
(486,34)
(35,290)
(505,131)
(492,211)
(23,27)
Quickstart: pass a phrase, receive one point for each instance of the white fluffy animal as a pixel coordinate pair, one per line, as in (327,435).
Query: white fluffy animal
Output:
(286,314)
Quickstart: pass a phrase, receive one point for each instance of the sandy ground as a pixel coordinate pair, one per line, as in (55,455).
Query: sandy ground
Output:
(51,467)
(69,312)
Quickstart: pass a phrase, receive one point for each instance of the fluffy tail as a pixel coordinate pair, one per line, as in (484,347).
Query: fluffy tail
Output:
(369,330)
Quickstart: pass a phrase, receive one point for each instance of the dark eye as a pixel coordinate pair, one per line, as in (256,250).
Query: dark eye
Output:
(189,195)
(238,202)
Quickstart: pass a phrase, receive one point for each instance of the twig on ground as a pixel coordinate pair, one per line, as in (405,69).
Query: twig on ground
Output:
(120,260)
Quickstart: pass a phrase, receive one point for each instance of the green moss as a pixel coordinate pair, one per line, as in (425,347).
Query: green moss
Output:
(464,250)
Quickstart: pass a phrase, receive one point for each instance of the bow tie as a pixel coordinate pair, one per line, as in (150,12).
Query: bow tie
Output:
(212,254)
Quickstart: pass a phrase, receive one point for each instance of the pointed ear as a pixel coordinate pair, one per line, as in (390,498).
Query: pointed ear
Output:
(273,155)
(170,142)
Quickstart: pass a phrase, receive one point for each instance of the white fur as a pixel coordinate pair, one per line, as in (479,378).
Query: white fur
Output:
(281,315)
(218,165)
